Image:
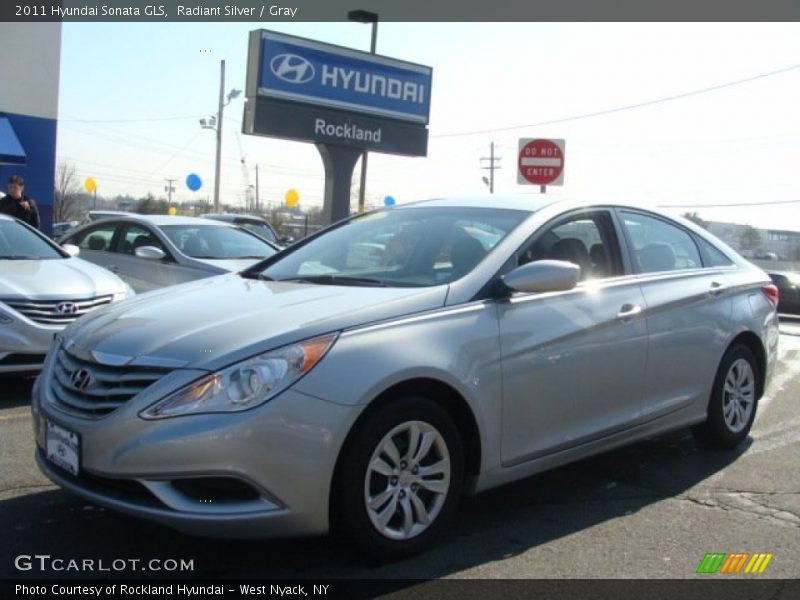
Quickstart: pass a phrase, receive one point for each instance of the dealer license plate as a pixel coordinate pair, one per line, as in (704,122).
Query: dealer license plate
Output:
(63,447)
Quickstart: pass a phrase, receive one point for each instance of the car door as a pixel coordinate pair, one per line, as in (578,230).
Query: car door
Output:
(97,243)
(145,274)
(573,362)
(688,311)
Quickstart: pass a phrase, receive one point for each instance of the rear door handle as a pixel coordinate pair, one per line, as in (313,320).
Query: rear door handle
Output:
(628,311)
(716,288)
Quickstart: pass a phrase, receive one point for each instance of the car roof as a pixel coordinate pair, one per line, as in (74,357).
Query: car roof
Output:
(168,220)
(527,203)
(233,217)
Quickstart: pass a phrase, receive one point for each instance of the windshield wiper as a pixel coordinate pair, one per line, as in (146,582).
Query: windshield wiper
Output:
(19,257)
(338,280)
(259,276)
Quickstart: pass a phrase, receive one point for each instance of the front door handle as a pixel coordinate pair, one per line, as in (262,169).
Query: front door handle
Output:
(628,311)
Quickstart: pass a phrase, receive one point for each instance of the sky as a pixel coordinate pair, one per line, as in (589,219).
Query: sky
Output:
(661,114)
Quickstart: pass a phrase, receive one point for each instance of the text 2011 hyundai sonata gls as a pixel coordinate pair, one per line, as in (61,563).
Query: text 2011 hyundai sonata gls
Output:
(368,376)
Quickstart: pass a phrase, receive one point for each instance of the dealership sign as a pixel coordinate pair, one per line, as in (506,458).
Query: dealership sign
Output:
(344,101)
(301,70)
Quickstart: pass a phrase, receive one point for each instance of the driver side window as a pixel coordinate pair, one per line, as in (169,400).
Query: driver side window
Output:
(585,239)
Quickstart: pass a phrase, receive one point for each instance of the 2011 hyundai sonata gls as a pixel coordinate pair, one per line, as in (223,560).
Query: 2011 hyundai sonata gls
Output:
(368,376)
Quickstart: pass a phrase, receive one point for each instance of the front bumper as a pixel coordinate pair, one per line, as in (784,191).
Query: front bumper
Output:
(24,343)
(278,459)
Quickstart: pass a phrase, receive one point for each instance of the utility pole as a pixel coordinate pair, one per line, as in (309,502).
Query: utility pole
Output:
(365,16)
(492,158)
(169,188)
(258,204)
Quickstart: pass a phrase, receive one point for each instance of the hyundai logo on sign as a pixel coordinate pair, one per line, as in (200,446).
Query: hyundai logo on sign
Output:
(302,70)
(292,68)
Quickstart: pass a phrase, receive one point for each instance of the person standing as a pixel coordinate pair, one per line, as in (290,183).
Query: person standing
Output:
(17,204)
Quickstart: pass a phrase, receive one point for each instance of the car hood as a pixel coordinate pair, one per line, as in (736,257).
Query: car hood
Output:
(213,322)
(56,279)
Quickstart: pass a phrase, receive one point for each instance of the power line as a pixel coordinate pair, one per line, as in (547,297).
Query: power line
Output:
(623,108)
(768,202)
(89,121)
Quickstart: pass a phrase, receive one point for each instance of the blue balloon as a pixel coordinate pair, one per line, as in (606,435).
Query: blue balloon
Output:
(193,182)
(389,201)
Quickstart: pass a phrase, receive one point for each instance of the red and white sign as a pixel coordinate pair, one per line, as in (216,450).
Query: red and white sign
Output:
(541,162)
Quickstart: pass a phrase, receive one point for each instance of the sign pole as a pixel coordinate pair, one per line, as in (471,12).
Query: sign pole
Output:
(339,162)
(543,189)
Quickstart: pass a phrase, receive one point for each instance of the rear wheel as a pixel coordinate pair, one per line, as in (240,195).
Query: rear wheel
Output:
(400,479)
(733,403)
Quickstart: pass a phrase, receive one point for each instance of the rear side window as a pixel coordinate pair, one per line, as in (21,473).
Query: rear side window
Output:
(713,257)
(97,238)
(659,245)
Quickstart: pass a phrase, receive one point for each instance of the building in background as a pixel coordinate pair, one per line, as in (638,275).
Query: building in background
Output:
(769,248)
(30,55)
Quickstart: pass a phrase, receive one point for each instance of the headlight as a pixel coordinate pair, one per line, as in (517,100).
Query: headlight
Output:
(126,293)
(246,384)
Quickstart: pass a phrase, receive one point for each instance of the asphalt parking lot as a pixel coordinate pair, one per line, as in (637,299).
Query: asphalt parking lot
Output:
(652,510)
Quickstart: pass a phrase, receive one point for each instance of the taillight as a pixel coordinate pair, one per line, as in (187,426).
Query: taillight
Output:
(771,292)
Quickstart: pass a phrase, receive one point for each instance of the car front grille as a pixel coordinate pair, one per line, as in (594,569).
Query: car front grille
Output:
(55,312)
(94,390)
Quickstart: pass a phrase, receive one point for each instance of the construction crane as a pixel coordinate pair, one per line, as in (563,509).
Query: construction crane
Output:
(249,200)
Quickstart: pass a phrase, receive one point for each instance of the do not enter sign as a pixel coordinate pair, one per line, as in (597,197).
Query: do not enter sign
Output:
(541,162)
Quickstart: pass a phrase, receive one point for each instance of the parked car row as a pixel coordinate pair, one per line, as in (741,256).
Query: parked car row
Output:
(366,378)
(153,251)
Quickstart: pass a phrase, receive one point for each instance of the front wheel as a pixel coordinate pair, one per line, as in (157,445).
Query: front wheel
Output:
(733,403)
(400,479)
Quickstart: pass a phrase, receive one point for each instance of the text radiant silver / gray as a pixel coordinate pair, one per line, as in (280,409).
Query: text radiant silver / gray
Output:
(367,376)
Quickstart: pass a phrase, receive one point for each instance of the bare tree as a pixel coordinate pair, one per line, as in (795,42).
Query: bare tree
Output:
(695,218)
(67,202)
(750,239)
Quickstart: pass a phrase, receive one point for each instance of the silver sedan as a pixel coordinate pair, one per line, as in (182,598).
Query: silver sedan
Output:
(43,288)
(153,251)
(368,376)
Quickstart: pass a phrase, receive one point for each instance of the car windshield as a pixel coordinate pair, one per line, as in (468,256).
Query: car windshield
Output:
(17,242)
(399,247)
(217,242)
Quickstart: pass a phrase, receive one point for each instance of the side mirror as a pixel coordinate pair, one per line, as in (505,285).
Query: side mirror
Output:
(543,276)
(286,239)
(150,253)
(71,249)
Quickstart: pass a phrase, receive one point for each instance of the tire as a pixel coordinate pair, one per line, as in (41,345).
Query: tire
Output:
(733,403)
(388,500)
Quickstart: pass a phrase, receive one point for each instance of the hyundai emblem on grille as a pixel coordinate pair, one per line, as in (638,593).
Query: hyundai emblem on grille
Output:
(81,379)
(66,308)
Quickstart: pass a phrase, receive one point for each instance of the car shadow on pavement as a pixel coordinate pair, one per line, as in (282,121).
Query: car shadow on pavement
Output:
(492,526)
(15,390)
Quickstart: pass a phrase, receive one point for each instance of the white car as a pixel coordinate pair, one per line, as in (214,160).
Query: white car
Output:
(44,288)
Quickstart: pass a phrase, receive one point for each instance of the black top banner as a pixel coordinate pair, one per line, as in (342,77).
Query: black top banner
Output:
(271,11)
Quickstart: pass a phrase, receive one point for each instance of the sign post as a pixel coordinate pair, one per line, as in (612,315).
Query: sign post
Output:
(541,162)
